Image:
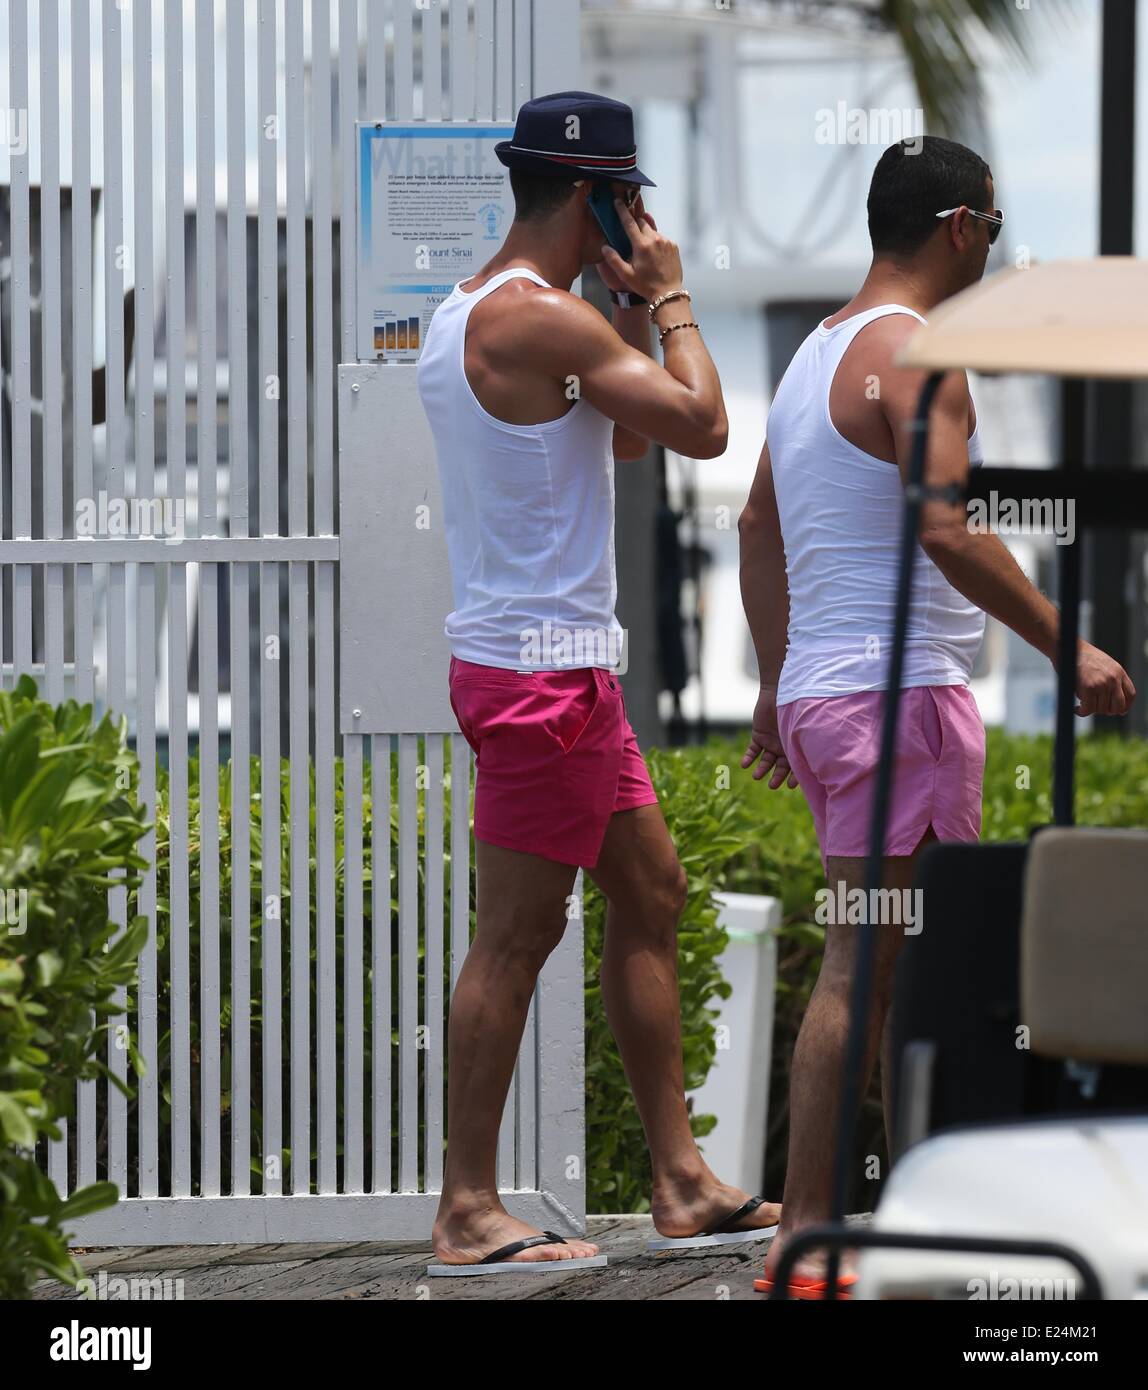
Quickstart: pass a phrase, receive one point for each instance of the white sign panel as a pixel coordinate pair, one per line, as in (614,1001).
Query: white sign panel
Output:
(394,585)
(434,206)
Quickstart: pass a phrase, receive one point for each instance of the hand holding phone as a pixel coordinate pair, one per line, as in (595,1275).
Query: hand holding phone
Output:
(653,266)
(602,201)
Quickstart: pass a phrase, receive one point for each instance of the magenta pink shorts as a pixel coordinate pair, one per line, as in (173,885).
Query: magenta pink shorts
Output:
(556,757)
(832,744)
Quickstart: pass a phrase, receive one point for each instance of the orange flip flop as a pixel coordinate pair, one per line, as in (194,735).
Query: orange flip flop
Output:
(801,1286)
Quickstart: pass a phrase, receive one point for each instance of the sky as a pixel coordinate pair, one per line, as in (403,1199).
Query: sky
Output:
(1046,129)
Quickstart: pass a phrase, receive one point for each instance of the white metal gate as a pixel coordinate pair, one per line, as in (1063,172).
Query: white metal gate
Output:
(197,157)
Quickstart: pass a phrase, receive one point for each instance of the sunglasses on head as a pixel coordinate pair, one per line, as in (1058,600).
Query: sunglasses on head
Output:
(994,219)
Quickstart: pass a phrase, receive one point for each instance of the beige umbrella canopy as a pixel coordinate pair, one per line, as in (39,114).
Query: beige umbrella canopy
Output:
(1086,318)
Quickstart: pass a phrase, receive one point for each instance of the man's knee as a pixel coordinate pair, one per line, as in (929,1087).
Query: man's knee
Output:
(677,890)
(647,898)
(521,937)
(663,899)
(839,968)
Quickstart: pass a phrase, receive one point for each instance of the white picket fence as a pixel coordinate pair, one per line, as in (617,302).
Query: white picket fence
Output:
(199,153)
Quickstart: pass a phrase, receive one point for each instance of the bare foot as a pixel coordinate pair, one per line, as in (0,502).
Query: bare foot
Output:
(686,1209)
(812,1271)
(468,1239)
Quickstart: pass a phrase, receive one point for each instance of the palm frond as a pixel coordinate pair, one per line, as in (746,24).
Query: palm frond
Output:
(940,39)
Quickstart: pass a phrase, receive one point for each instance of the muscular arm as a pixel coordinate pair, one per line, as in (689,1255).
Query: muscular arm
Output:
(633,327)
(765,598)
(979,564)
(678,405)
(764,589)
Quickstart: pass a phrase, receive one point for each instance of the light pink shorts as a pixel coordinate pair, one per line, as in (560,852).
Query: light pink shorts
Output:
(832,744)
(556,757)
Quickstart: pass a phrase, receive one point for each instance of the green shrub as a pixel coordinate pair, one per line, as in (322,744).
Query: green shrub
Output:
(69,824)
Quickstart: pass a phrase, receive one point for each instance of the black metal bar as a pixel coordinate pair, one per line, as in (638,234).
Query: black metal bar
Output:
(837,1237)
(863,980)
(1074,432)
(1117,127)
(1111,402)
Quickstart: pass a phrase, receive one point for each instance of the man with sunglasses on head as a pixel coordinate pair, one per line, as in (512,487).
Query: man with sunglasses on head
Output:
(531,395)
(820,537)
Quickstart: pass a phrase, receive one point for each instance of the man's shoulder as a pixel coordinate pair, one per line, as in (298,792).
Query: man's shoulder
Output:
(875,351)
(882,338)
(536,319)
(544,303)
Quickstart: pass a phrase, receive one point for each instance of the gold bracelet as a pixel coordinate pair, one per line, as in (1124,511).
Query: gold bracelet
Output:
(666,298)
(673,328)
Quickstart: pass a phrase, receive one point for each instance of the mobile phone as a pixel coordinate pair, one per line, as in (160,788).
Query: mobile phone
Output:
(602,205)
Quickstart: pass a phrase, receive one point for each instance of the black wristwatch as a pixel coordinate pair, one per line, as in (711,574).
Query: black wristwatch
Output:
(626,299)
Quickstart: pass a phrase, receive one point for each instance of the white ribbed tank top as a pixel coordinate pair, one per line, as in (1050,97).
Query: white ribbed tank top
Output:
(840,510)
(528,512)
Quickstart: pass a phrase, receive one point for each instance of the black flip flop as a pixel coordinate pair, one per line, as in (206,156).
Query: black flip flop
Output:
(497,1261)
(720,1232)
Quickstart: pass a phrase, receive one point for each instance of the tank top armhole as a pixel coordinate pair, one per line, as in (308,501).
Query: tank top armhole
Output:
(879,311)
(494,283)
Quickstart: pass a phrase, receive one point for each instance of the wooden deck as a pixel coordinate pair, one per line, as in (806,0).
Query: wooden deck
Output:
(398,1271)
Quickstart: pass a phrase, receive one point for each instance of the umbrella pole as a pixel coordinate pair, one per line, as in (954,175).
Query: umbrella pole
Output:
(863,980)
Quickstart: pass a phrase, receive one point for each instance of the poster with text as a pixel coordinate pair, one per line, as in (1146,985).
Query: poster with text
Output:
(434,206)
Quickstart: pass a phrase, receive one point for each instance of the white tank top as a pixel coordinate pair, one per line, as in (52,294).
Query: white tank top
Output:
(841,512)
(528,511)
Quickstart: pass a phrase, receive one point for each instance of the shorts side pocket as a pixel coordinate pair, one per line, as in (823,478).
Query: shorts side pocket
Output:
(464,724)
(933,724)
(577,712)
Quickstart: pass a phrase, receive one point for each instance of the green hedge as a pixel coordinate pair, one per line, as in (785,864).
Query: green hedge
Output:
(69,823)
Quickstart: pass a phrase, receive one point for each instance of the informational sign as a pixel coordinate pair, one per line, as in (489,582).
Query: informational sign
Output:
(434,206)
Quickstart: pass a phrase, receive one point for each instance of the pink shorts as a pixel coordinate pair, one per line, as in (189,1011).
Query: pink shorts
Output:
(556,757)
(832,744)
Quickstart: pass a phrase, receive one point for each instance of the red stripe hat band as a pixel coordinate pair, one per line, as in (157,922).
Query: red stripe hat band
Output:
(595,161)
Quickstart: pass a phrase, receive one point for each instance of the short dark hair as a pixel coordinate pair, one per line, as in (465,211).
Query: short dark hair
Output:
(537,196)
(913,181)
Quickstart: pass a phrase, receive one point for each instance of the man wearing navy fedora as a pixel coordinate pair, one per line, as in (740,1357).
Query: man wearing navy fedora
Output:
(531,396)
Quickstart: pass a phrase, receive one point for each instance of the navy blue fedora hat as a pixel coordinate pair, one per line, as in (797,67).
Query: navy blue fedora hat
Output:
(577,134)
